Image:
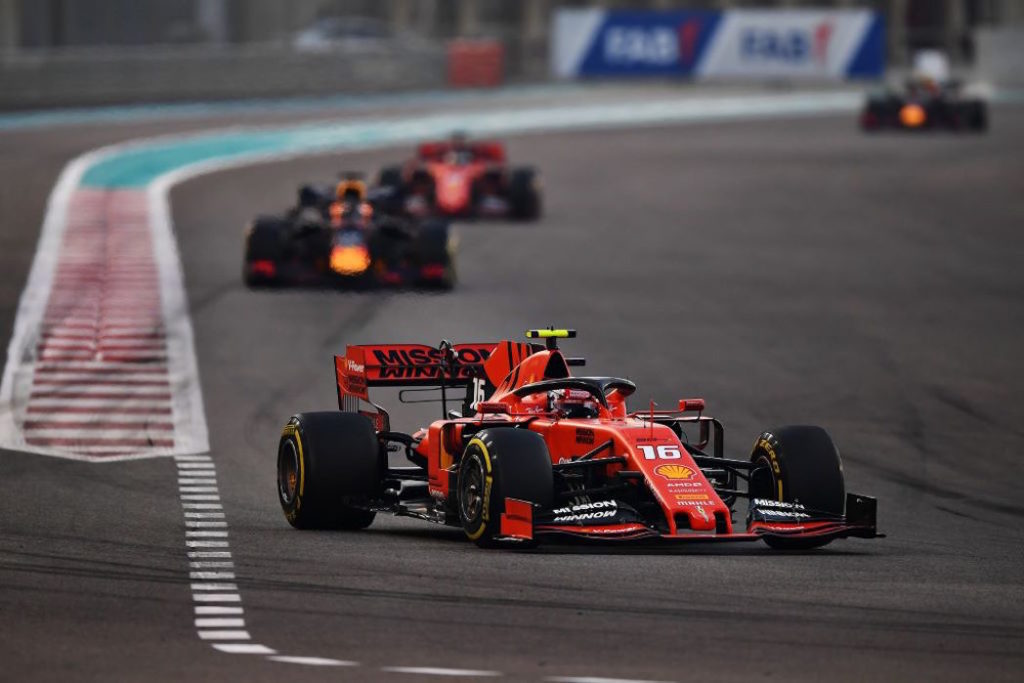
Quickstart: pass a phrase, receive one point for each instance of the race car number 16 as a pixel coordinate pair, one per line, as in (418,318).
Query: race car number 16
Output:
(663,452)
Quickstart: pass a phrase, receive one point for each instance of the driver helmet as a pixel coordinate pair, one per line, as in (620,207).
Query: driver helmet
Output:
(350,190)
(573,403)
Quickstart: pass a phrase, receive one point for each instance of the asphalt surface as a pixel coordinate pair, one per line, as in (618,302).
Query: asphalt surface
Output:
(790,271)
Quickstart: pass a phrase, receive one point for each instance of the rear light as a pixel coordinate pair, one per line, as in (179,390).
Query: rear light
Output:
(433,271)
(263,267)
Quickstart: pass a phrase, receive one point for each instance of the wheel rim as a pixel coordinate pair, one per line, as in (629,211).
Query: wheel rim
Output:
(288,472)
(471,499)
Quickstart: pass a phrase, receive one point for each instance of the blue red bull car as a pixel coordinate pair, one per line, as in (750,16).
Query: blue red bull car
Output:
(458,178)
(925,104)
(338,238)
(528,450)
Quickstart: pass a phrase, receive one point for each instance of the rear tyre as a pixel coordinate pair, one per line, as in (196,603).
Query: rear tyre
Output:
(435,252)
(264,247)
(328,470)
(524,196)
(499,464)
(798,464)
(977,117)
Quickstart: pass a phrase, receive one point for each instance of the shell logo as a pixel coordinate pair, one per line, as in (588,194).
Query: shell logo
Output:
(675,472)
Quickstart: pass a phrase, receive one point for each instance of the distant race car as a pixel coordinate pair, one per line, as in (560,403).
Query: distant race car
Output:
(335,236)
(458,178)
(925,105)
(537,452)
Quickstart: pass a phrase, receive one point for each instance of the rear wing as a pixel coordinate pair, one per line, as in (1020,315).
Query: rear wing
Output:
(485,150)
(406,365)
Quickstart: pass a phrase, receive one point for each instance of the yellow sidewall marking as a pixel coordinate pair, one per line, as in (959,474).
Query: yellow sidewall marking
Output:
(302,463)
(483,449)
(487,463)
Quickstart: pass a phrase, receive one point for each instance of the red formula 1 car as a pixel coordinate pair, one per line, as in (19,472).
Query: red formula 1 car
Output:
(537,451)
(457,178)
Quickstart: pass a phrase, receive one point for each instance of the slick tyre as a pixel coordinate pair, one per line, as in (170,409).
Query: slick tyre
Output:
(798,464)
(524,195)
(499,464)
(977,116)
(263,244)
(435,249)
(328,470)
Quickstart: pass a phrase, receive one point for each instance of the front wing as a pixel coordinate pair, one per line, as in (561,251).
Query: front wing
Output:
(518,522)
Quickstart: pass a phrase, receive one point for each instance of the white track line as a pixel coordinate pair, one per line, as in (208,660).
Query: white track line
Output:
(219,616)
(244,648)
(598,679)
(441,671)
(311,661)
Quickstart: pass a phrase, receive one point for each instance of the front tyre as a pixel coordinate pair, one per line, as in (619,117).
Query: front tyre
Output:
(798,464)
(328,470)
(499,464)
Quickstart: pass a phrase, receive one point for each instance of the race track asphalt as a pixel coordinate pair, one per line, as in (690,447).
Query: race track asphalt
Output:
(789,271)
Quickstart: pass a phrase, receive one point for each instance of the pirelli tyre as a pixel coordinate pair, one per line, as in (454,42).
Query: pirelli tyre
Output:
(328,470)
(435,247)
(976,115)
(264,244)
(498,464)
(798,464)
(524,196)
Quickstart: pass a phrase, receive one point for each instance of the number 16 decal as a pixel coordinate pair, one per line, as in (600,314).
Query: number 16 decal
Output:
(664,452)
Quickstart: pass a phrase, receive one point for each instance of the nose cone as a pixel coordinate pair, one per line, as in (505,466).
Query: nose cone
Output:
(453,193)
(912,115)
(350,259)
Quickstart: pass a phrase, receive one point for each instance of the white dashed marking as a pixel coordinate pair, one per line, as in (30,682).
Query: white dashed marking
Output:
(598,679)
(219,622)
(440,671)
(223,635)
(311,661)
(219,616)
(244,648)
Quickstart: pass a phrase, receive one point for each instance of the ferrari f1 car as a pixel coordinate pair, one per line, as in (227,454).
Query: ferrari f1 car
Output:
(457,178)
(537,452)
(925,104)
(337,237)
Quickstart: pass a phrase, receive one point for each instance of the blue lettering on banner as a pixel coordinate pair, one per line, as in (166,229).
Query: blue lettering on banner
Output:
(655,43)
(791,46)
(676,43)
